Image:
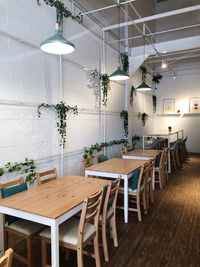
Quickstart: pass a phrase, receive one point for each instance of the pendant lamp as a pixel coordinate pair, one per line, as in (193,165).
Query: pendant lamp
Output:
(57,44)
(119,74)
(143,87)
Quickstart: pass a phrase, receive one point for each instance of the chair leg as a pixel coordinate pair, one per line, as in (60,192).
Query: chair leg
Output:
(80,256)
(96,252)
(44,252)
(5,240)
(151,193)
(114,230)
(105,244)
(144,202)
(160,179)
(29,251)
(139,209)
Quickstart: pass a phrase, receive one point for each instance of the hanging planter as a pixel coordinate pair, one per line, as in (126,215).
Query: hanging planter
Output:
(61,110)
(133,92)
(143,117)
(124,116)
(105,84)
(125,62)
(157,78)
(154,99)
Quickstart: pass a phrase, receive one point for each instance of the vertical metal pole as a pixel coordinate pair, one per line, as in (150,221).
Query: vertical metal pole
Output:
(61,98)
(103,71)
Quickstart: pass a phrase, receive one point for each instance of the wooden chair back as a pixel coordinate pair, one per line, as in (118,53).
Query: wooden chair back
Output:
(142,178)
(90,214)
(6,260)
(111,197)
(46,176)
(12,183)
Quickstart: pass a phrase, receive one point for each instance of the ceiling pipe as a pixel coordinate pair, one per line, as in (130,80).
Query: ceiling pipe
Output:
(154,17)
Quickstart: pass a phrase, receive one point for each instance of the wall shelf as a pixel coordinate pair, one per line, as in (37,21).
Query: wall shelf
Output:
(170,115)
(179,114)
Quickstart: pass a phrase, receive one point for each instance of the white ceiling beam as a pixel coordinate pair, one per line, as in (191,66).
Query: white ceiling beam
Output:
(154,17)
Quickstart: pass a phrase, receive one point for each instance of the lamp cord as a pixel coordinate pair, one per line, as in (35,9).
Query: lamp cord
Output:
(118,6)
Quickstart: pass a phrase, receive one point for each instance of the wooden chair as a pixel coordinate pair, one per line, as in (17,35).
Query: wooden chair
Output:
(76,233)
(6,260)
(47,176)
(108,215)
(149,183)
(158,169)
(22,229)
(165,165)
(135,195)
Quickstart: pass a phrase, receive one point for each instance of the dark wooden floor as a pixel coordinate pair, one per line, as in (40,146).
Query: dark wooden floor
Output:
(169,235)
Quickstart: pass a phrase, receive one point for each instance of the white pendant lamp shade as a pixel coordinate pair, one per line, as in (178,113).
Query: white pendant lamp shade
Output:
(57,44)
(119,75)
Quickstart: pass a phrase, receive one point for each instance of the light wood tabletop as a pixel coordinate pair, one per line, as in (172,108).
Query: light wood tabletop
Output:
(144,153)
(117,165)
(56,197)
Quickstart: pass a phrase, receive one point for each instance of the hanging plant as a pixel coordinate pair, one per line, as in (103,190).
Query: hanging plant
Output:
(61,110)
(105,84)
(157,78)
(89,152)
(133,92)
(124,116)
(125,61)
(61,11)
(154,99)
(144,117)
(27,167)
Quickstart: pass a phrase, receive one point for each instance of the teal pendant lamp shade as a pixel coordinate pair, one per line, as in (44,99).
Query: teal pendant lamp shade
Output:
(143,87)
(57,44)
(119,75)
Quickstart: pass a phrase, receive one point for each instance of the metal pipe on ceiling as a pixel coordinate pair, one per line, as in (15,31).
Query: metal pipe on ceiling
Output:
(154,17)
(104,8)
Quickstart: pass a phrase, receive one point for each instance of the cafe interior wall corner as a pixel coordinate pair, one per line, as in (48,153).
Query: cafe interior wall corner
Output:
(185,86)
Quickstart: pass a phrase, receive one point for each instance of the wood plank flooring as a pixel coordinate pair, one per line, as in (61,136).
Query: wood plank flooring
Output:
(168,236)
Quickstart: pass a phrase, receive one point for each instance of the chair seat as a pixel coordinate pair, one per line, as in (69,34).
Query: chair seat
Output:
(25,227)
(110,212)
(68,231)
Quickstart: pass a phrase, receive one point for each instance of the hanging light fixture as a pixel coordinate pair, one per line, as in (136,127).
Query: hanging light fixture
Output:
(57,44)
(143,87)
(119,75)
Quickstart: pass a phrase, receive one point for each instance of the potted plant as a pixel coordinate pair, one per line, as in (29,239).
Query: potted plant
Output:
(144,117)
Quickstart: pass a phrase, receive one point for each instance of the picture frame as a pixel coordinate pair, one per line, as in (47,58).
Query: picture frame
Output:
(194,105)
(169,106)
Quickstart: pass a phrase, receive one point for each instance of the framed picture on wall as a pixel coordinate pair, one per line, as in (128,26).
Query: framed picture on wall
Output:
(169,106)
(195,105)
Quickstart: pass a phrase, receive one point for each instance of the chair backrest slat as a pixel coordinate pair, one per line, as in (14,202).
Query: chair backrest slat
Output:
(46,176)
(6,260)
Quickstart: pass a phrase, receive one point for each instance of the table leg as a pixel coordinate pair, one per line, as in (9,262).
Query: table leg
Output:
(55,244)
(126,199)
(2,235)
(153,179)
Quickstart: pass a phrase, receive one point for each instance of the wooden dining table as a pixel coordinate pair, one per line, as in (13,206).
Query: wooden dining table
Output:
(51,204)
(141,154)
(113,168)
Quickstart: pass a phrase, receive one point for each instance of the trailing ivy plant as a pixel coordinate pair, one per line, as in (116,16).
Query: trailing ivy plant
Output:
(157,78)
(61,109)
(27,167)
(143,117)
(124,116)
(125,61)
(154,100)
(105,84)
(89,152)
(61,11)
(133,92)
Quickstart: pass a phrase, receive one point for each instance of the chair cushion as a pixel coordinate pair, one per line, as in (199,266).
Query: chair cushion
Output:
(109,213)
(25,227)
(102,158)
(134,180)
(9,191)
(68,231)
